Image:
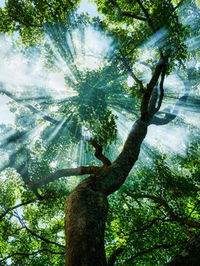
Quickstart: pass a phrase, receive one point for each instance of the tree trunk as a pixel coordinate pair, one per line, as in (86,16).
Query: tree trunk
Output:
(87,206)
(86,214)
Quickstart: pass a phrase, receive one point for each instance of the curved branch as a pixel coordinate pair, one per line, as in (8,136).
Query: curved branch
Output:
(82,170)
(145,251)
(181,221)
(169,116)
(26,24)
(147,16)
(98,153)
(128,68)
(16,206)
(112,177)
(146,226)
(37,235)
(148,92)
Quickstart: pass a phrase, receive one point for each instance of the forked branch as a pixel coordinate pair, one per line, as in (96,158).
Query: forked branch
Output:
(99,153)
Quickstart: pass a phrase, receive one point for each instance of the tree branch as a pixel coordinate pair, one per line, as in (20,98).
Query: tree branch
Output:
(179,4)
(112,177)
(128,68)
(131,15)
(169,116)
(37,235)
(30,107)
(98,153)
(26,24)
(149,89)
(181,221)
(145,251)
(161,89)
(82,170)
(16,206)
(146,226)
(150,22)
(127,14)
(31,254)
(113,256)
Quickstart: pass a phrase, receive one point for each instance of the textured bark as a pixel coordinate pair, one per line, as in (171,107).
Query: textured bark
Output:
(87,205)
(86,214)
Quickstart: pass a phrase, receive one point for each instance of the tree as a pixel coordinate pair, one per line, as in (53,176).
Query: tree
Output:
(36,148)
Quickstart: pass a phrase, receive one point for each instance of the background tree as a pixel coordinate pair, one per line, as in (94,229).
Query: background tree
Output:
(157,209)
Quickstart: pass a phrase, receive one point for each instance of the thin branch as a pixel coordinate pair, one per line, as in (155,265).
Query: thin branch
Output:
(181,221)
(23,22)
(179,4)
(149,89)
(31,254)
(37,235)
(114,255)
(169,116)
(82,170)
(150,22)
(145,251)
(128,68)
(127,14)
(161,89)
(30,107)
(198,202)
(98,153)
(16,206)
(146,226)
(131,15)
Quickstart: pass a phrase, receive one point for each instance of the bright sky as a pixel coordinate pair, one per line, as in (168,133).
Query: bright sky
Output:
(5,115)
(2,2)
(88,7)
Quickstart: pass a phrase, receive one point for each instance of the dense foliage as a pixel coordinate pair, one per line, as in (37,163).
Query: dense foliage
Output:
(156,211)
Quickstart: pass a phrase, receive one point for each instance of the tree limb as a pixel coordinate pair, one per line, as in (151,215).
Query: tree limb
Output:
(148,92)
(30,107)
(31,254)
(114,255)
(82,170)
(161,89)
(146,226)
(169,116)
(16,206)
(98,153)
(181,221)
(127,14)
(128,68)
(150,22)
(26,24)
(179,4)
(145,251)
(37,235)
(131,15)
